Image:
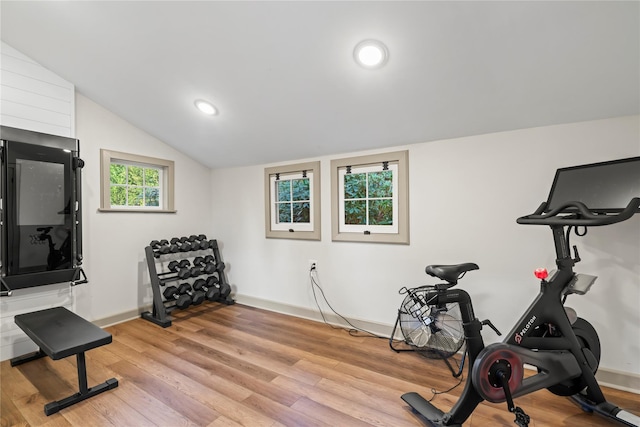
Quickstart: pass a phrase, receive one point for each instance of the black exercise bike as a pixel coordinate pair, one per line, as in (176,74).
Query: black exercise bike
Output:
(564,348)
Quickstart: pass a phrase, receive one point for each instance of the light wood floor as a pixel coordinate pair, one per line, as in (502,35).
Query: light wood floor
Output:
(235,365)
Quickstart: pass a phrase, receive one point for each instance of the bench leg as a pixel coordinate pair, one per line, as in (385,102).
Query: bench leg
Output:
(84,393)
(27,357)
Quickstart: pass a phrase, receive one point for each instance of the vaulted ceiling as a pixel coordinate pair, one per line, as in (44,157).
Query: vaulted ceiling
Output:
(283,77)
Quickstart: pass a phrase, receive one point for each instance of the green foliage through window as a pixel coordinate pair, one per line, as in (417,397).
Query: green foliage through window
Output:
(134,185)
(293,200)
(368,198)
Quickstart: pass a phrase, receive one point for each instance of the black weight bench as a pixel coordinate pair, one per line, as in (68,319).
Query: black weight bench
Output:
(60,333)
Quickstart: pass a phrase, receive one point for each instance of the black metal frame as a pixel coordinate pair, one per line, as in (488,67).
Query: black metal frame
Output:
(43,328)
(11,281)
(161,309)
(547,308)
(454,372)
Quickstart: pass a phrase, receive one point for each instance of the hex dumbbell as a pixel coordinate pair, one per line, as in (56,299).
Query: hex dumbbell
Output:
(223,287)
(182,301)
(178,269)
(211,292)
(205,267)
(160,247)
(197,297)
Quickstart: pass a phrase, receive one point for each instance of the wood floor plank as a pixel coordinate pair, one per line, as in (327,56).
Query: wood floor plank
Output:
(12,381)
(268,347)
(46,380)
(368,414)
(153,409)
(231,357)
(198,392)
(231,366)
(10,414)
(327,414)
(190,408)
(202,376)
(85,414)
(227,375)
(118,411)
(284,414)
(223,421)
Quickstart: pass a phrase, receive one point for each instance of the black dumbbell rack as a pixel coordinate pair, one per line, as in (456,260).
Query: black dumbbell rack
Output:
(178,250)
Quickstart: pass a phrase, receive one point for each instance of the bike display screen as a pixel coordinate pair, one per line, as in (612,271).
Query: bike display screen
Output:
(38,203)
(605,187)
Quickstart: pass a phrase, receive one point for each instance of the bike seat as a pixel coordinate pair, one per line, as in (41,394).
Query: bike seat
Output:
(450,273)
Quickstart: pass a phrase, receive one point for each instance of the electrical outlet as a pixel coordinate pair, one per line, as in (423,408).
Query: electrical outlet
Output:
(313,264)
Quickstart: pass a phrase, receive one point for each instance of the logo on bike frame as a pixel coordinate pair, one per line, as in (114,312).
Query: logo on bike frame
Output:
(518,337)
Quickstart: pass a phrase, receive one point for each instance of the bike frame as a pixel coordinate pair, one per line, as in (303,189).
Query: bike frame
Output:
(559,358)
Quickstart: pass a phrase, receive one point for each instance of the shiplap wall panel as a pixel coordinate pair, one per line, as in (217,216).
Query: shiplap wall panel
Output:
(32,98)
(13,342)
(46,102)
(25,85)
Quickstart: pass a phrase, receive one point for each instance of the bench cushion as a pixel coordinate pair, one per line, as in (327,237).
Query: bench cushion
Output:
(60,333)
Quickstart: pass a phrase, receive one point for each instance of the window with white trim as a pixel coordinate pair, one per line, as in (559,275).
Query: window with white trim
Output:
(292,201)
(370,198)
(367,201)
(135,183)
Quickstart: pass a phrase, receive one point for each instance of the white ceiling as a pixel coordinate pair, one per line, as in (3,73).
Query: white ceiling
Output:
(283,77)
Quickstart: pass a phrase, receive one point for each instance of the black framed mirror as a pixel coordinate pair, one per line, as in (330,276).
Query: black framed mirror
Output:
(41,216)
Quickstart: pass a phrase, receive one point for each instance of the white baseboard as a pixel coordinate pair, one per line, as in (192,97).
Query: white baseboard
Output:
(380,329)
(619,380)
(120,318)
(625,381)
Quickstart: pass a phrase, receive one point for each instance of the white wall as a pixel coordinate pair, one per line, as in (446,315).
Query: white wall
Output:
(465,196)
(114,242)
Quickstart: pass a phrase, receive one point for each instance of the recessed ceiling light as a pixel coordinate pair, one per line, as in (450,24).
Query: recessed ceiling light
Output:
(371,54)
(206,107)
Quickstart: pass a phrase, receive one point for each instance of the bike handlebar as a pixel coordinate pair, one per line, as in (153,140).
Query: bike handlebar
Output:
(583,217)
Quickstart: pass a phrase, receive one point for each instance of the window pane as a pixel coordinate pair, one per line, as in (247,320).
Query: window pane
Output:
(135,196)
(284,190)
(152,197)
(381,212)
(355,185)
(355,212)
(151,177)
(300,189)
(381,184)
(301,212)
(284,212)
(118,174)
(118,196)
(135,175)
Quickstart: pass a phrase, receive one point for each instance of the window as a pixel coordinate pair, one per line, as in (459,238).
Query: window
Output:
(368,202)
(370,198)
(292,201)
(136,183)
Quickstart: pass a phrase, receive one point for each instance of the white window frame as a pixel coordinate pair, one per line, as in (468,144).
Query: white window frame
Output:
(143,187)
(305,231)
(286,226)
(397,161)
(167,185)
(361,228)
